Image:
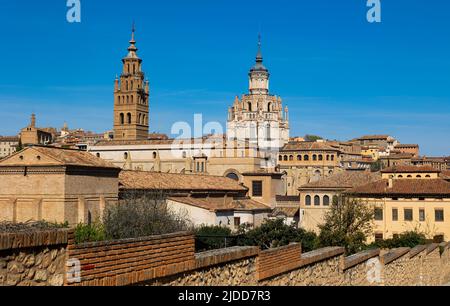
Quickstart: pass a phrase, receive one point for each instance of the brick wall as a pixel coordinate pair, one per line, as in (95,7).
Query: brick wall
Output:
(278,261)
(130,261)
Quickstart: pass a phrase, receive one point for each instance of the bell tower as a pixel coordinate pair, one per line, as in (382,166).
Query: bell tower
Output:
(131,98)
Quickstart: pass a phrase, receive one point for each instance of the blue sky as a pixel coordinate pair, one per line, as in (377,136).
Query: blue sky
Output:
(341,76)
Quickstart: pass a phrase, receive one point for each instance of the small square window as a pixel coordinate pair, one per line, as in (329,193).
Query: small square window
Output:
(257,188)
(395,214)
(409,215)
(422,215)
(439,215)
(379,237)
(378,214)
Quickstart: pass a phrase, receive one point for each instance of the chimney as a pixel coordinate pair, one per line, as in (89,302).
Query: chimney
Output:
(33,120)
(391,183)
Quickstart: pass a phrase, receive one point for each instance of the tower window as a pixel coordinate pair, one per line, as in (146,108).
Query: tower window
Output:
(122,119)
(250,107)
(129,118)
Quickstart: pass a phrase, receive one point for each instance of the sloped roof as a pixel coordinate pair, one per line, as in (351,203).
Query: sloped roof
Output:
(142,180)
(221,204)
(51,156)
(419,187)
(289,212)
(410,169)
(344,180)
(308,146)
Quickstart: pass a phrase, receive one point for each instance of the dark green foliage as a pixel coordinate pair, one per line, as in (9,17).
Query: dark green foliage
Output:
(19,147)
(213,237)
(274,233)
(89,233)
(141,215)
(376,166)
(137,215)
(312,138)
(408,239)
(347,224)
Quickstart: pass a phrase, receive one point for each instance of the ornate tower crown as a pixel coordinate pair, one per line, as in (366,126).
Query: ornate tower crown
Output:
(259,74)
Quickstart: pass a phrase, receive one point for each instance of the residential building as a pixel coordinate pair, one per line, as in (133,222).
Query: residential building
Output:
(305,162)
(316,198)
(408,148)
(408,199)
(8,145)
(204,200)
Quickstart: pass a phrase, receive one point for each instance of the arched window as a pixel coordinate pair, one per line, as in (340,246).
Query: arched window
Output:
(285,158)
(134,68)
(129,118)
(299,157)
(400,176)
(332,157)
(428,176)
(321,157)
(419,176)
(132,99)
(98,155)
(328,157)
(140,118)
(128,99)
(316,201)
(269,108)
(126,85)
(233,176)
(291,158)
(154,155)
(280,158)
(308,200)
(144,119)
(250,107)
(326,201)
(122,119)
(306,158)
(314,157)
(125,156)
(409,176)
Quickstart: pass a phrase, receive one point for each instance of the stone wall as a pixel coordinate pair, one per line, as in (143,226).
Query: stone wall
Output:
(33,259)
(50,257)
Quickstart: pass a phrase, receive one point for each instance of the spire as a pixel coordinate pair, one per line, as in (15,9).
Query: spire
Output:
(132,48)
(259,57)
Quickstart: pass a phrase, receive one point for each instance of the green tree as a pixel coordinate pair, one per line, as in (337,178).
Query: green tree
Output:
(407,240)
(275,233)
(19,147)
(348,224)
(376,166)
(312,138)
(213,237)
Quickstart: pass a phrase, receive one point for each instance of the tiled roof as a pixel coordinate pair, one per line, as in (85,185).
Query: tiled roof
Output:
(344,180)
(142,180)
(9,139)
(399,156)
(280,198)
(410,169)
(289,212)
(51,156)
(445,174)
(308,146)
(419,187)
(221,204)
(372,137)
(407,146)
(107,143)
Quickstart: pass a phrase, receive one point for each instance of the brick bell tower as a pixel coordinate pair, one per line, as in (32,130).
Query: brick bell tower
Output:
(131,98)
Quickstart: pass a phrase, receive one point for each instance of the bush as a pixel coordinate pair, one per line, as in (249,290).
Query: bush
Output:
(408,239)
(275,233)
(141,215)
(89,232)
(213,237)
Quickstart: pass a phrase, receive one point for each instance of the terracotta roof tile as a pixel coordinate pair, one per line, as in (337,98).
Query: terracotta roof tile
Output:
(141,180)
(410,169)
(344,180)
(308,146)
(221,204)
(419,187)
(289,212)
(56,157)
